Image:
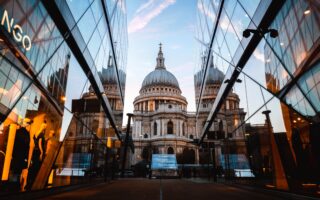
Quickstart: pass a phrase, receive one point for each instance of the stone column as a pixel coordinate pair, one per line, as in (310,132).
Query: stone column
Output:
(197,156)
(177,128)
(181,128)
(134,129)
(160,127)
(163,128)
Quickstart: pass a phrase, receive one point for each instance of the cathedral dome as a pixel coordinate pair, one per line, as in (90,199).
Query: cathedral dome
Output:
(214,75)
(160,76)
(108,75)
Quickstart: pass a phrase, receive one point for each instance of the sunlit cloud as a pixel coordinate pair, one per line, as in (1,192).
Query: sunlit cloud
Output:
(147,12)
(258,55)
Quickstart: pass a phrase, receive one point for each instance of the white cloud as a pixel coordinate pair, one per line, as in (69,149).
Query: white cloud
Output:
(145,6)
(224,22)
(236,26)
(258,55)
(147,13)
(202,8)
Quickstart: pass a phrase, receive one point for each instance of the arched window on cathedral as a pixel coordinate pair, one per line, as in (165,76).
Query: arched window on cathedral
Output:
(170,127)
(155,128)
(170,150)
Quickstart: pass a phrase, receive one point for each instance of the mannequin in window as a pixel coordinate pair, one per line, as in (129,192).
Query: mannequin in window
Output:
(49,142)
(37,154)
(19,163)
(39,144)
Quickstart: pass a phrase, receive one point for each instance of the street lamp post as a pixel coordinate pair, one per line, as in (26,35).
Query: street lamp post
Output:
(213,157)
(227,157)
(126,142)
(140,145)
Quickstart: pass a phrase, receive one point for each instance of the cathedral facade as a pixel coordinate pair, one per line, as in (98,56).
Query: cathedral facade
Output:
(162,124)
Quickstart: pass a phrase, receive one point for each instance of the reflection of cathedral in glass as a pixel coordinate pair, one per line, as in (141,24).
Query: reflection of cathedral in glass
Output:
(88,108)
(224,132)
(93,123)
(163,125)
(49,66)
(108,77)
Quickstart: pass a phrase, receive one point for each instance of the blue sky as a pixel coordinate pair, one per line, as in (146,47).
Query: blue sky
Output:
(171,22)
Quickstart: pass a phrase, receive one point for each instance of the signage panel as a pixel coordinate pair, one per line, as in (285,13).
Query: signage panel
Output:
(164,161)
(16,31)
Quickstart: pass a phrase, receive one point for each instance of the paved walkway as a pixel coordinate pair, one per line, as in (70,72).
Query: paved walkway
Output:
(175,189)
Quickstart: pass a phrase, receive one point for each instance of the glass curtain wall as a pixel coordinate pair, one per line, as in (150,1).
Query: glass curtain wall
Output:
(54,128)
(278,90)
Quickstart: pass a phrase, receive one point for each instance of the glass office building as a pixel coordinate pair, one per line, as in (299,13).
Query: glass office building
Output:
(55,71)
(268,52)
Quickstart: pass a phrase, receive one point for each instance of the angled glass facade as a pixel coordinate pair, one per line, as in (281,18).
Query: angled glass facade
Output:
(268,53)
(62,64)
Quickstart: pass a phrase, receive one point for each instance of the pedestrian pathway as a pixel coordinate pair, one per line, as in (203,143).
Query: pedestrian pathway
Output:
(149,189)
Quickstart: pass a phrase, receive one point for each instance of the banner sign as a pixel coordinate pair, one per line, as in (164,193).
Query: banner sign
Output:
(164,161)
